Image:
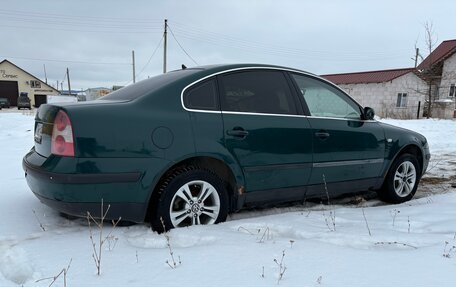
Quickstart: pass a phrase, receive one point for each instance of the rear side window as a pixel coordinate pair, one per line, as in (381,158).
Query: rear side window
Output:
(257,92)
(202,96)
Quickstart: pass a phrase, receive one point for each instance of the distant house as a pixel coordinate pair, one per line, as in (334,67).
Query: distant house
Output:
(439,71)
(80,95)
(95,93)
(14,80)
(399,93)
(391,93)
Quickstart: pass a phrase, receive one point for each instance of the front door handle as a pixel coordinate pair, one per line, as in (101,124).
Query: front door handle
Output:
(322,135)
(237,132)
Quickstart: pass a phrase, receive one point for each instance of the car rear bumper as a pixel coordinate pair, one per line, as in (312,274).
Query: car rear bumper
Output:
(131,212)
(63,178)
(78,193)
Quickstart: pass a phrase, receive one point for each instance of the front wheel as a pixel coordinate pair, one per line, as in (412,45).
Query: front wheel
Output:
(402,180)
(190,196)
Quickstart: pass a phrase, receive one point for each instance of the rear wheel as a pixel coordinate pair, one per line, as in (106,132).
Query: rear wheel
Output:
(402,180)
(191,196)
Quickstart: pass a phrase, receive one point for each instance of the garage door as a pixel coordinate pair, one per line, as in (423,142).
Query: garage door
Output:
(39,100)
(8,89)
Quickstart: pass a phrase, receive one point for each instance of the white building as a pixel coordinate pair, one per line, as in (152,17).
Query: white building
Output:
(403,93)
(14,80)
(96,93)
(439,71)
(391,93)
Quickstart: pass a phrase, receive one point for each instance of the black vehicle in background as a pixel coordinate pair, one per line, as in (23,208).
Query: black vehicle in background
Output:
(4,103)
(23,102)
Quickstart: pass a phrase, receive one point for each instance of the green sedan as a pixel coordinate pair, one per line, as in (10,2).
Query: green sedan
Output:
(190,146)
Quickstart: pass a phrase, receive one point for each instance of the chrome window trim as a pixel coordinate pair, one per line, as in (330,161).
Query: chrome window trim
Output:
(295,116)
(267,114)
(263,114)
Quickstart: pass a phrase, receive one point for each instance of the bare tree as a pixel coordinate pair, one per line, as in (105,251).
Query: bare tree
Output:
(430,73)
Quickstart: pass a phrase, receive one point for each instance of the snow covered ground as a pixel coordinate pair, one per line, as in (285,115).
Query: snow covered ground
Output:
(371,244)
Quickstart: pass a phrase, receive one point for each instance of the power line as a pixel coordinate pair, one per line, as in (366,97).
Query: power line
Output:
(64,77)
(171,30)
(287,53)
(85,17)
(53,28)
(66,61)
(199,34)
(148,61)
(63,22)
(150,58)
(45,21)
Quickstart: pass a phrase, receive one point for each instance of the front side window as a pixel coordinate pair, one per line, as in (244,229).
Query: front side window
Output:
(323,100)
(202,96)
(401,100)
(257,92)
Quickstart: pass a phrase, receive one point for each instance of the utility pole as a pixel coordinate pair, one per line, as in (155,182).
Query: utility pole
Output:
(133,59)
(45,75)
(164,45)
(57,87)
(69,87)
(417,53)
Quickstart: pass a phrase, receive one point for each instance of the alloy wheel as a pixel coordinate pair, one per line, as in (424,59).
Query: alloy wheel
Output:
(404,179)
(196,202)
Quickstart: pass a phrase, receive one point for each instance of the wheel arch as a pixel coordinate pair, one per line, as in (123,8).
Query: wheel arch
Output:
(231,174)
(412,149)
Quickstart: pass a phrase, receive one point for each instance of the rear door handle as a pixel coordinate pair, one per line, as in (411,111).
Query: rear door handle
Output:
(237,132)
(322,135)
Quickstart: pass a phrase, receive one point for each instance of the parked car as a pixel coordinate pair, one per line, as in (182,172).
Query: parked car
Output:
(4,103)
(23,102)
(190,146)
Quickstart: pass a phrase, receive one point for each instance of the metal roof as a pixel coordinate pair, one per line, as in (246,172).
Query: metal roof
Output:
(379,76)
(443,51)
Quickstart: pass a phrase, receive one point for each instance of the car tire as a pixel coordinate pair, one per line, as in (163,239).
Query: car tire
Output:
(190,196)
(402,180)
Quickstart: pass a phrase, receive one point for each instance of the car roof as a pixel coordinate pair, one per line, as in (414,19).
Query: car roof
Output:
(210,69)
(183,77)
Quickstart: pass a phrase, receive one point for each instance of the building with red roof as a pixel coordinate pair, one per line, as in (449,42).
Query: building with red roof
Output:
(402,93)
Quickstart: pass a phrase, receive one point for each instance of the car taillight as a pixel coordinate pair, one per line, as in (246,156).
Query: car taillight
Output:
(62,135)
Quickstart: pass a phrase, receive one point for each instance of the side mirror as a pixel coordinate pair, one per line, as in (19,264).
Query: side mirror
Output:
(369,113)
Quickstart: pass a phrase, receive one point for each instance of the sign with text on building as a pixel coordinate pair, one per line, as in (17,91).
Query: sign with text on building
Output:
(4,75)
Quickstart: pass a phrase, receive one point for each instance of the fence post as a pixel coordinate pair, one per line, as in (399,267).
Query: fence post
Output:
(418,112)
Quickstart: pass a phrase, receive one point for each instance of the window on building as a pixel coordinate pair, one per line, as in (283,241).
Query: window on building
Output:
(35,84)
(452,91)
(401,100)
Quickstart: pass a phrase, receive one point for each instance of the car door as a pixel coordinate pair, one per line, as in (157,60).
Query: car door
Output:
(266,132)
(202,102)
(347,149)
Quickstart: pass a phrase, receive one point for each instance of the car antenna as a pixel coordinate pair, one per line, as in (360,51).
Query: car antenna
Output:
(184,67)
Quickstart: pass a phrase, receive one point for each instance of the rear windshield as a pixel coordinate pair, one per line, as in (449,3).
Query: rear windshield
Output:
(142,88)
